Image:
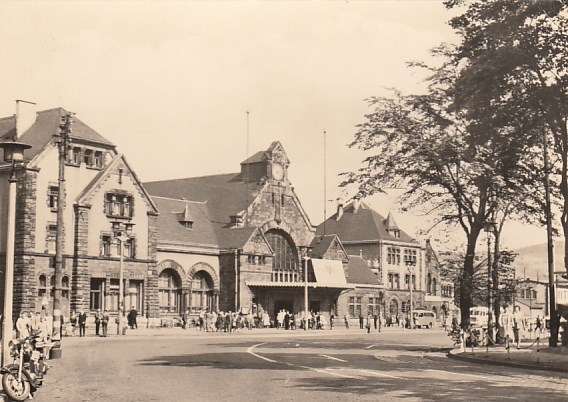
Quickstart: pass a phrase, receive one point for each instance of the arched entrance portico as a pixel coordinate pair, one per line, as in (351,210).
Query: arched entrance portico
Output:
(172,286)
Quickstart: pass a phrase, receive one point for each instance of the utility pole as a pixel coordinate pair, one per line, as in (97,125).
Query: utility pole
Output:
(62,140)
(553,340)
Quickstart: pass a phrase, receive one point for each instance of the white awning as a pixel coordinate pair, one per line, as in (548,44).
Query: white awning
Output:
(329,272)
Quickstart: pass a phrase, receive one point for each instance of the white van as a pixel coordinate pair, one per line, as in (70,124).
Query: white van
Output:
(424,319)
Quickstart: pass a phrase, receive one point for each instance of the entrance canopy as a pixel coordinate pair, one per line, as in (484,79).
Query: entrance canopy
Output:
(329,273)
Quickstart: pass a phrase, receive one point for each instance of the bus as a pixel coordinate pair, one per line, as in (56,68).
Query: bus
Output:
(478,317)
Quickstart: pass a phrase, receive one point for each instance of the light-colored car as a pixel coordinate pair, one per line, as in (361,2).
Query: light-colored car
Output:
(424,319)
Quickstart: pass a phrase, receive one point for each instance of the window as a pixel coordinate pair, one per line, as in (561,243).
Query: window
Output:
(65,287)
(111,299)
(409,257)
(42,286)
(106,244)
(374,305)
(118,205)
(53,197)
(88,157)
(282,200)
(96,296)
(134,296)
(407,282)
(50,237)
(74,156)
(52,286)
(434,287)
(355,306)
(397,281)
(169,290)
(393,308)
(393,255)
(98,159)
(129,248)
(284,264)
(201,292)
(405,307)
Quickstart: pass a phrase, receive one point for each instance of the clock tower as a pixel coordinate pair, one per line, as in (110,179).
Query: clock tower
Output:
(270,165)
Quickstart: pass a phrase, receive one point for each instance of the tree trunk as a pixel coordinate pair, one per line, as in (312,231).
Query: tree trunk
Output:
(466,296)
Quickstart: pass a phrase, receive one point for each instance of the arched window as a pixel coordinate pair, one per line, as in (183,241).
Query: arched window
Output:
(169,289)
(285,267)
(42,286)
(65,287)
(429,285)
(201,292)
(434,291)
(393,307)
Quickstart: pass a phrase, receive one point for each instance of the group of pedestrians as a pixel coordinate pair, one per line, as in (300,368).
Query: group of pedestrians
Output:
(38,324)
(211,321)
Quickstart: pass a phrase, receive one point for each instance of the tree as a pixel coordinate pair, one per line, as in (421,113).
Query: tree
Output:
(515,78)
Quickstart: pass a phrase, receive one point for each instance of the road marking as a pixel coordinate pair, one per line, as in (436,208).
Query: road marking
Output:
(378,374)
(329,372)
(464,374)
(249,350)
(371,346)
(334,358)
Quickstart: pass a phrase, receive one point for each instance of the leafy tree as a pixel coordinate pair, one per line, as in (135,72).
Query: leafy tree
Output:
(515,77)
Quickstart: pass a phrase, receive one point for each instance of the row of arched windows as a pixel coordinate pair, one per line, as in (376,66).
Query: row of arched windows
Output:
(43,286)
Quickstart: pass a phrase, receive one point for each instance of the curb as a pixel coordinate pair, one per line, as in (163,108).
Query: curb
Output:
(459,356)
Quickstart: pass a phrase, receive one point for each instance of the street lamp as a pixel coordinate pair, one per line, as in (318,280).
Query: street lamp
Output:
(13,152)
(122,232)
(305,260)
(490,227)
(410,263)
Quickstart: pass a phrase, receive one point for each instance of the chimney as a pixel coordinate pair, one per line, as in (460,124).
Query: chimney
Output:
(356,204)
(25,116)
(339,209)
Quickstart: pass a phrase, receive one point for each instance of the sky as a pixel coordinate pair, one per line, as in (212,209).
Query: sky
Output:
(170,83)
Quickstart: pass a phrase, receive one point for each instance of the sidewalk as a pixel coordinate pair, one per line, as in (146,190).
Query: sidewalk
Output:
(529,356)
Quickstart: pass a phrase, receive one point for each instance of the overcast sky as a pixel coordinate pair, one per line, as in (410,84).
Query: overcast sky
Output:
(170,82)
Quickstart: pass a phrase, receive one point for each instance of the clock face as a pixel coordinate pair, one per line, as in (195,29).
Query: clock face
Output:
(277,171)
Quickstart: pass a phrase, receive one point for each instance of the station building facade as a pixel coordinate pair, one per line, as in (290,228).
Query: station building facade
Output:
(101,190)
(230,242)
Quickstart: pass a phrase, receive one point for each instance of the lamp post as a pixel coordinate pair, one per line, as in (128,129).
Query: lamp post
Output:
(530,310)
(489,228)
(410,263)
(122,232)
(13,152)
(305,259)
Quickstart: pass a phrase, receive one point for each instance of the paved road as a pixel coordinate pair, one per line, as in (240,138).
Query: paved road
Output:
(286,366)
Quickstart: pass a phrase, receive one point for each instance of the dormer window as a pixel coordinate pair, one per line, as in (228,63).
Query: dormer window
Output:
(185,218)
(98,159)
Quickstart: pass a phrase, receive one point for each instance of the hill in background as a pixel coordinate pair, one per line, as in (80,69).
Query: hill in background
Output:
(532,261)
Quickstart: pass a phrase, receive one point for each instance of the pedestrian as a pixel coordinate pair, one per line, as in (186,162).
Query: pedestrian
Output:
(98,316)
(361,320)
(379,321)
(375,319)
(82,319)
(22,326)
(331,319)
(104,322)
(538,325)
(346,320)
(369,318)
(35,322)
(518,324)
(73,322)
(132,314)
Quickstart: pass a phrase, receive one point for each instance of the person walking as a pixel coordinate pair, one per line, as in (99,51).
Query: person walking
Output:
(375,319)
(73,322)
(361,322)
(369,318)
(331,319)
(22,325)
(346,320)
(132,315)
(98,316)
(104,322)
(82,319)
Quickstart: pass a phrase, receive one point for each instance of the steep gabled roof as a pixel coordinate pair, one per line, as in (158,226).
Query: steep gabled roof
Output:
(226,194)
(45,127)
(172,231)
(359,272)
(390,223)
(364,224)
(321,245)
(91,187)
